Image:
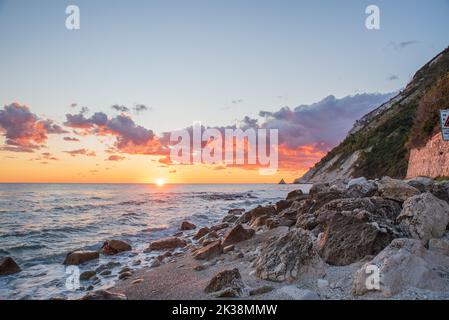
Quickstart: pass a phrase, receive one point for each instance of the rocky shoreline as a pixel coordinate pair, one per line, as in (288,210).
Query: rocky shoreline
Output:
(320,245)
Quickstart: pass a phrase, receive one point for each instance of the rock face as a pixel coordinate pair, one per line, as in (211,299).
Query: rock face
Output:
(395,189)
(237,234)
(186,225)
(79,257)
(291,257)
(8,266)
(104,295)
(112,247)
(404,263)
(167,243)
(424,217)
(210,251)
(356,227)
(227,283)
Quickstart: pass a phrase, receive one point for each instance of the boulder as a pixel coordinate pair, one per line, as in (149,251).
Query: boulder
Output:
(167,243)
(79,257)
(103,295)
(290,257)
(237,234)
(357,227)
(256,212)
(405,263)
(424,217)
(86,275)
(186,225)
(441,190)
(395,189)
(295,194)
(440,246)
(201,233)
(361,187)
(230,218)
(227,283)
(8,266)
(423,184)
(112,247)
(210,251)
(219,226)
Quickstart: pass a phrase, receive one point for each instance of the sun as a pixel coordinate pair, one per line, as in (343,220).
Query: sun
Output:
(160,182)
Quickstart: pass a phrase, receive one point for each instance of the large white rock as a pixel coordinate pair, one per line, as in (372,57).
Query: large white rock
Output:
(424,217)
(405,263)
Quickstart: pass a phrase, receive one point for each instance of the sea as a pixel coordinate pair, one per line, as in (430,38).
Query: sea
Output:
(41,223)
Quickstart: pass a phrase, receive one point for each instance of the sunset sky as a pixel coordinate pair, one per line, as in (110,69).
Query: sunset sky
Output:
(95,104)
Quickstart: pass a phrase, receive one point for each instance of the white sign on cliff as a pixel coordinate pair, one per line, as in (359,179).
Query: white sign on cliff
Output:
(444,118)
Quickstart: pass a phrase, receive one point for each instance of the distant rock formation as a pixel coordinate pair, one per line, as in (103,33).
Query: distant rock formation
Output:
(282,181)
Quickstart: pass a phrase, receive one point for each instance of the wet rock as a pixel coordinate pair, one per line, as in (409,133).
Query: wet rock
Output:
(125,275)
(395,189)
(201,233)
(167,243)
(112,247)
(227,283)
(86,275)
(105,273)
(236,212)
(424,217)
(8,266)
(210,251)
(290,257)
(137,262)
(357,227)
(230,218)
(187,225)
(79,257)
(228,248)
(104,295)
(237,234)
(405,263)
(260,290)
(219,226)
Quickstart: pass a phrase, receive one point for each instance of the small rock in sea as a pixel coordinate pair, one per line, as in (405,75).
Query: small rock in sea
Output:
(125,275)
(112,247)
(137,262)
(103,295)
(178,234)
(90,288)
(228,248)
(219,226)
(8,266)
(105,273)
(210,251)
(125,269)
(137,281)
(230,218)
(260,290)
(79,257)
(282,182)
(166,243)
(201,233)
(236,211)
(86,275)
(187,225)
(227,283)
(154,263)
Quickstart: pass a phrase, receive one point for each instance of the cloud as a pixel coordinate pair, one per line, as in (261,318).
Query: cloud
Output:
(393,77)
(71,139)
(402,45)
(130,138)
(83,152)
(120,108)
(23,130)
(115,158)
(140,108)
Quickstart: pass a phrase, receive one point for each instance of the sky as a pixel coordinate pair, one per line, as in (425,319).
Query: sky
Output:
(306,68)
